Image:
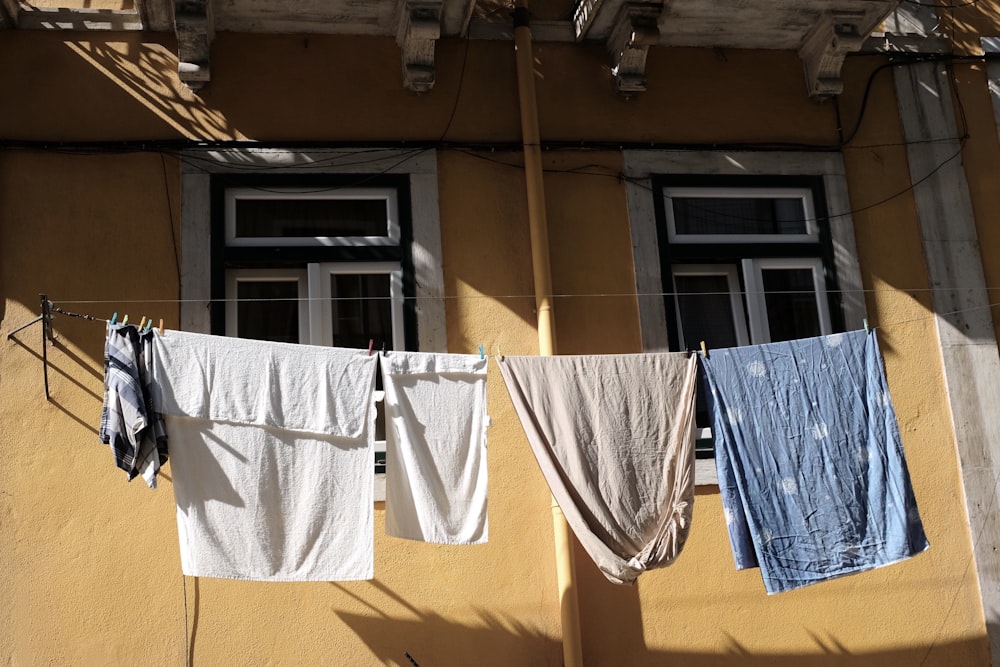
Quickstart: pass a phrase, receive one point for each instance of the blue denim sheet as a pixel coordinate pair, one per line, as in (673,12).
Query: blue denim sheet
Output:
(812,475)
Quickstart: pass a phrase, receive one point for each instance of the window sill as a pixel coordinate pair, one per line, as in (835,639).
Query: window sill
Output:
(705,473)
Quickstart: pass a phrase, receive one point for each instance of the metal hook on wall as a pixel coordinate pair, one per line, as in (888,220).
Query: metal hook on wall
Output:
(46,319)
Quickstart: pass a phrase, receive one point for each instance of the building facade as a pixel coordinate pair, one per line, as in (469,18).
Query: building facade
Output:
(184,161)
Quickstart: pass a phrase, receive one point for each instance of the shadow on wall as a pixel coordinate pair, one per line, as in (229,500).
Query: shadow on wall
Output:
(147,73)
(425,638)
(993,632)
(486,639)
(834,655)
(52,363)
(433,640)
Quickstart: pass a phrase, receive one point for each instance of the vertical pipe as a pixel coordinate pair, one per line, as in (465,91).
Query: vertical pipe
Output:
(565,567)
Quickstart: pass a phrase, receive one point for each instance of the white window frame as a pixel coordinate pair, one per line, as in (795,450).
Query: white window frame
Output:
(236,276)
(420,166)
(315,309)
(760,330)
(321,311)
(387,195)
(804,194)
(731,273)
(639,168)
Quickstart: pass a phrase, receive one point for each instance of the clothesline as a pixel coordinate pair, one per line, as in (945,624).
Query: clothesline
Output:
(56,309)
(565,295)
(48,307)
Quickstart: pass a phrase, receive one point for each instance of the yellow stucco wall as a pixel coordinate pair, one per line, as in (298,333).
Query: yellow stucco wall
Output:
(85,554)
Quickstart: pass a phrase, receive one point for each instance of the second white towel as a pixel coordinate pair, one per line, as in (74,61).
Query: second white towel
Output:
(436,425)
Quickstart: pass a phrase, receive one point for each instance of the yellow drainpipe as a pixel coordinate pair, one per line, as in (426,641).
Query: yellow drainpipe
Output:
(565,567)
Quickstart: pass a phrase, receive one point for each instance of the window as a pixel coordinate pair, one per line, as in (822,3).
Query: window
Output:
(322,262)
(744,264)
(740,248)
(320,247)
(760,276)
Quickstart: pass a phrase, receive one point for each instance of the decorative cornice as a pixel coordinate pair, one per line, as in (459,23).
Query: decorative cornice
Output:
(193,23)
(156,15)
(417,33)
(634,31)
(822,52)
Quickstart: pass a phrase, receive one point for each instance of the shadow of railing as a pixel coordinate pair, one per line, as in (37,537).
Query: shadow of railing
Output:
(147,73)
(411,636)
(491,639)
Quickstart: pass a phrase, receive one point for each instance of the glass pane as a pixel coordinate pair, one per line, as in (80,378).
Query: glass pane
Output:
(706,311)
(268,310)
(739,215)
(362,310)
(379,434)
(311,217)
(790,296)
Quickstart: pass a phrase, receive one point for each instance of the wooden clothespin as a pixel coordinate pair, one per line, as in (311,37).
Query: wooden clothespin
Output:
(161,326)
(704,350)
(125,319)
(142,323)
(371,345)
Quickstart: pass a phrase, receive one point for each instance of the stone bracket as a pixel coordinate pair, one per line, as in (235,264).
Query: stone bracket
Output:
(634,31)
(195,31)
(156,15)
(822,52)
(417,33)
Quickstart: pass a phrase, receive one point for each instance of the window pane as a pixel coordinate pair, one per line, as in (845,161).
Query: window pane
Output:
(311,217)
(706,311)
(790,296)
(268,310)
(739,215)
(362,310)
(379,430)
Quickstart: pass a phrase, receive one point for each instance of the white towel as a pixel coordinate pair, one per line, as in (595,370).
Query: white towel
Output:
(613,435)
(435,406)
(272,458)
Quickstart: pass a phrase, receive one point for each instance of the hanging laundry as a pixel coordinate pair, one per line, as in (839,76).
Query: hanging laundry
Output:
(614,437)
(436,421)
(811,469)
(272,453)
(129,423)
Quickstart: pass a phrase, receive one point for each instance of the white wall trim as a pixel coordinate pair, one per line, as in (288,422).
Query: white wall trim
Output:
(969,352)
(421,167)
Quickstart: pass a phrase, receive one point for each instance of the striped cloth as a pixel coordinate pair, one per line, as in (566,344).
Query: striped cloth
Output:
(129,425)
